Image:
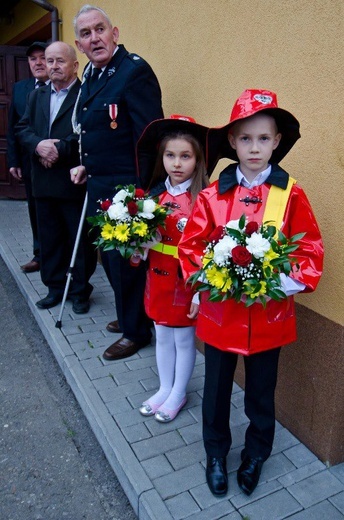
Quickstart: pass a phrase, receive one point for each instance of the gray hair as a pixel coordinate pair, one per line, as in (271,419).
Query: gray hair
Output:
(85,9)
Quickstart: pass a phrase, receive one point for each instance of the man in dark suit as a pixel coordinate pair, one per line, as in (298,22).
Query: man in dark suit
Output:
(17,157)
(111,115)
(46,132)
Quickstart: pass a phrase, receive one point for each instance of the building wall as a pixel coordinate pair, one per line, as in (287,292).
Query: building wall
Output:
(205,53)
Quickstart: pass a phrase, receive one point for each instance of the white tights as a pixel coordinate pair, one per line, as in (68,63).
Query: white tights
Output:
(175,357)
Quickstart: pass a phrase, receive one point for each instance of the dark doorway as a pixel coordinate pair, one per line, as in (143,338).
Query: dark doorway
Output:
(13,67)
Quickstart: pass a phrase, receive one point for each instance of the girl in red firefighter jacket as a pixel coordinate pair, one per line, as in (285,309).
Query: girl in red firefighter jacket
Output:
(178,145)
(258,135)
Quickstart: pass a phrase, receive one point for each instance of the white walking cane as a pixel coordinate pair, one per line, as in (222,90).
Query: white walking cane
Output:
(76,130)
(58,324)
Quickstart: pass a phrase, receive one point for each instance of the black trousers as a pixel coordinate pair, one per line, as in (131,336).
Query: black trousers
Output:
(260,383)
(128,284)
(58,222)
(32,215)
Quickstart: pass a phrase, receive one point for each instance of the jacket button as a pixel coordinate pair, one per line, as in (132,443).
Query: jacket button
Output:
(86,154)
(89,176)
(84,109)
(83,132)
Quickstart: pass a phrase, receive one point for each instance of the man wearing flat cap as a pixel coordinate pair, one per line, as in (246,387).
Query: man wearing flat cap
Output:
(17,158)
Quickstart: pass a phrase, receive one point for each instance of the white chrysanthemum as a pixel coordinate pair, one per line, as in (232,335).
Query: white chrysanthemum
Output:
(257,245)
(118,211)
(148,209)
(233,224)
(120,196)
(149,206)
(223,249)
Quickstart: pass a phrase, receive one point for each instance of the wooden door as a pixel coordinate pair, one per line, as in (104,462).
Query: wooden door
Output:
(13,67)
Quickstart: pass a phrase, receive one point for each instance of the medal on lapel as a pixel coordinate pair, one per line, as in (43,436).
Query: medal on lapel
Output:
(113,113)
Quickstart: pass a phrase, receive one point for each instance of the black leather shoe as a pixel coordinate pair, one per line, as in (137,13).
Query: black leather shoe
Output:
(249,473)
(81,306)
(49,301)
(216,473)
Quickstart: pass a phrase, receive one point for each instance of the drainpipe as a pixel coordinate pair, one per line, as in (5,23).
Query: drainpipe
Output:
(54,17)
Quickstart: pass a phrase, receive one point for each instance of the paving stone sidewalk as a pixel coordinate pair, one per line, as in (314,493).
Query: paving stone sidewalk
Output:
(161,466)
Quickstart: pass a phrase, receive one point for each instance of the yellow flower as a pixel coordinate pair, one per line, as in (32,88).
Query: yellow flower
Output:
(270,255)
(159,210)
(108,232)
(219,278)
(121,232)
(207,257)
(140,229)
(250,290)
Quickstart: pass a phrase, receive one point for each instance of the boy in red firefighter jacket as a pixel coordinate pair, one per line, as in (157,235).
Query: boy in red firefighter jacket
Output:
(258,136)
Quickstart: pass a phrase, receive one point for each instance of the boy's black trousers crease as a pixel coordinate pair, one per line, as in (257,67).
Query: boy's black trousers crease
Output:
(260,383)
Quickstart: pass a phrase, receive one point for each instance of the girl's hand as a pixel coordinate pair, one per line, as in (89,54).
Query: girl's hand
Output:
(194,307)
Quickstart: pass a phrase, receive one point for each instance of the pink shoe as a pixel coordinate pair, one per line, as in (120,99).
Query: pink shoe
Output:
(165,415)
(147,409)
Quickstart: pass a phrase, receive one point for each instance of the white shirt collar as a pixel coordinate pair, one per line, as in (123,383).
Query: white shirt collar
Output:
(38,80)
(66,89)
(179,188)
(257,181)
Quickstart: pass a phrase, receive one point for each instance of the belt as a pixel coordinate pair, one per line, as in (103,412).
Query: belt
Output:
(165,249)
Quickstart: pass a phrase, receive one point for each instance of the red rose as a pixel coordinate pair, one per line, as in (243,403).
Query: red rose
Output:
(132,208)
(251,227)
(139,193)
(217,234)
(241,256)
(105,204)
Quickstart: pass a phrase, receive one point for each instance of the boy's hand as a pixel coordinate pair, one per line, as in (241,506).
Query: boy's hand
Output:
(194,308)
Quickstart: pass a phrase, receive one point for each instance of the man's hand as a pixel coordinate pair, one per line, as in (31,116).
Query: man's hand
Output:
(47,150)
(45,162)
(78,175)
(16,173)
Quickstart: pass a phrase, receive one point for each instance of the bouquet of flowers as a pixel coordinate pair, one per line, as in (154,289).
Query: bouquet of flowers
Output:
(243,260)
(129,222)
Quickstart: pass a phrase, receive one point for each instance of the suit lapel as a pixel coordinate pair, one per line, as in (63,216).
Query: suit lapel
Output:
(30,85)
(43,98)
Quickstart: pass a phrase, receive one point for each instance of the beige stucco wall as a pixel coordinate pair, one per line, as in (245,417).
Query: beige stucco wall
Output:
(206,52)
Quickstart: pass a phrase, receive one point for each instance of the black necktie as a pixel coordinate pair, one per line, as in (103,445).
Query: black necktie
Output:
(94,79)
(40,84)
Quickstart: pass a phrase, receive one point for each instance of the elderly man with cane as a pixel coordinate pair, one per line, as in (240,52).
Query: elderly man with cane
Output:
(119,97)
(46,132)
